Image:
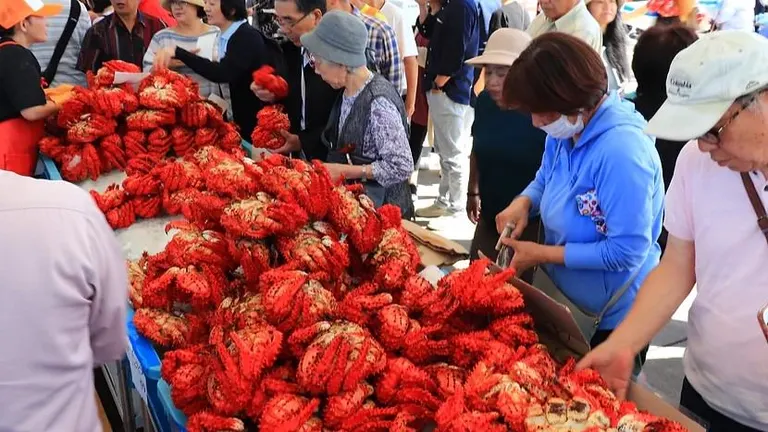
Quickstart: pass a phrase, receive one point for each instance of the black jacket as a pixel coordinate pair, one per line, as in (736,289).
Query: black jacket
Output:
(320,99)
(247,51)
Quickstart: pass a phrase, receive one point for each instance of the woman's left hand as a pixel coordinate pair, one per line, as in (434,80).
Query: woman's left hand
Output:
(337,171)
(527,254)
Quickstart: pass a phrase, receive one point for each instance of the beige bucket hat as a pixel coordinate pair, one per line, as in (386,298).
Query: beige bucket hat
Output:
(503,48)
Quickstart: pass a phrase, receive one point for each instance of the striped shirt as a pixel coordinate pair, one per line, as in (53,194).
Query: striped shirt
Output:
(382,40)
(168,38)
(109,39)
(67,72)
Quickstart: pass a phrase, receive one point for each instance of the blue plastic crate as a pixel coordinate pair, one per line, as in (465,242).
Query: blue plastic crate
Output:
(50,170)
(143,365)
(176,418)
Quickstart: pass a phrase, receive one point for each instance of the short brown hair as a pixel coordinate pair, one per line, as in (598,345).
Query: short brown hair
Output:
(556,73)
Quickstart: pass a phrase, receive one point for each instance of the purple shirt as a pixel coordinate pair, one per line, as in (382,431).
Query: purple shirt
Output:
(63,296)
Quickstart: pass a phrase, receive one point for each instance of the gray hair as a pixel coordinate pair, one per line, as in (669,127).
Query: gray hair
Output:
(752,100)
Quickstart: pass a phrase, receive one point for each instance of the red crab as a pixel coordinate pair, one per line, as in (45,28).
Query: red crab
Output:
(89,128)
(270,120)
(169,330)
(186,370)
(202,288)
(159,142)
(287,412)
(178,174)
(193,246)
(360,304)
(316,248)
(396,257)
(182,140)
(393,325)
(144,120)
(79,163)
(402,382)
(354,214)
(478,291)
(114,101)
(261,216)
(228,136)
(296,181)
(114,203)
(105,76)
(163,89)
(343,405)
(135,144)
(208,422)
(80,104)
(339,356)
(266,78)
(246,310)
(113,152)
(196,114)
(254,257)
(52,147)
(293,299)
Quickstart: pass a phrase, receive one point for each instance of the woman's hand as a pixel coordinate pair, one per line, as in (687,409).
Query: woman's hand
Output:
(337,171)
(614,362)
(527,254)
(164,57)
(516,214)
(473,208)
(263,94)
(292,143)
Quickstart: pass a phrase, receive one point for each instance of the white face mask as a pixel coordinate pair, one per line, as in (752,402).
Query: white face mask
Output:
(562,128)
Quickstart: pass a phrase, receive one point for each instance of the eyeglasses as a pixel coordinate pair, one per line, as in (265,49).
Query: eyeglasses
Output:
(289,23)
(713,136)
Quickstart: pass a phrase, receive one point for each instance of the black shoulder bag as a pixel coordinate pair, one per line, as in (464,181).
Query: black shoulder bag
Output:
(61,45)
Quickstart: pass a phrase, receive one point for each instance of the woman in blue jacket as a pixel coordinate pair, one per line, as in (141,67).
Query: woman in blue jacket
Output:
(599,190)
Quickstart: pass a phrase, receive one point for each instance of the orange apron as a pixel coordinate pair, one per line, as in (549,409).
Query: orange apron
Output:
(18,142)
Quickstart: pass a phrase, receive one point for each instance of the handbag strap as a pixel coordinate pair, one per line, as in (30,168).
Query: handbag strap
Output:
(619,294)
(757,204)
(53,65)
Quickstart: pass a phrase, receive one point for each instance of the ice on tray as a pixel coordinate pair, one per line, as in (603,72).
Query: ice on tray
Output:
(145,234)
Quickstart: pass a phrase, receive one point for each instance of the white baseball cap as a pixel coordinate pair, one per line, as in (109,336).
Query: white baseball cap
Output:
(503,48)
(705,79)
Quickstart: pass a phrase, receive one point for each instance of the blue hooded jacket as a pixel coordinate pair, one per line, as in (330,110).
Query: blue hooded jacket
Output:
(603,200)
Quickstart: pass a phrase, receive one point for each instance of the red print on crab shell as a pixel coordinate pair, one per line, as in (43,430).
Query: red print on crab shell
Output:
(292,299)
(261,216)
(341,355)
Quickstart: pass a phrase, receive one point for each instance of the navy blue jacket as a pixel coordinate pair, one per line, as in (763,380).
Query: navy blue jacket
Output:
(454,37)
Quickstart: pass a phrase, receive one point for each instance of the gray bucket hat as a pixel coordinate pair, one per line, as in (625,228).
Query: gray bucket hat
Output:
(339,37)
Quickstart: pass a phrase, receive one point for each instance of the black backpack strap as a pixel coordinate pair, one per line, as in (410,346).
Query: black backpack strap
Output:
(61,45)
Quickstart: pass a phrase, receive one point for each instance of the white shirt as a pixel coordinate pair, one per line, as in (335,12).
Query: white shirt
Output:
(63,298)
(406,40)
(577,22)
(736,15)
(726,359)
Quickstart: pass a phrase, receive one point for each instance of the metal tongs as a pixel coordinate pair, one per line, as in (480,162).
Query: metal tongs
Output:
(504,257)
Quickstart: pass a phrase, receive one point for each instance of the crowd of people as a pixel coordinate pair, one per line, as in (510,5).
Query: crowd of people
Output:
(619,202)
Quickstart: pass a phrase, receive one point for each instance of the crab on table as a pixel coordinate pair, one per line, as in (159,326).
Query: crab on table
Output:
(254,257)
(241,311)
(289,412)
(261,216)
(192,246)
(293,299)
(299,182)
(90,127)
(186,370)
(114,101)
(163,89)
(206,421)
(339,356)
(354,214)
(315,248)
(396,257)
(168,329)
(202,287)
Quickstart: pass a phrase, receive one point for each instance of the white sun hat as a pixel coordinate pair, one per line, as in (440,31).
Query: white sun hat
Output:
(705,79)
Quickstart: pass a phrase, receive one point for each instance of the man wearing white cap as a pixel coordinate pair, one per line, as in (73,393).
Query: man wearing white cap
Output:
(718,98)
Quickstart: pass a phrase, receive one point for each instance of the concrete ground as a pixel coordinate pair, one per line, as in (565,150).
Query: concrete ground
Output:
(663,371)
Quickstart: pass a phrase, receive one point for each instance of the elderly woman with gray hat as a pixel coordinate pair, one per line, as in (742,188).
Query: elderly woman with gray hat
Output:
(188,30)
(367,132)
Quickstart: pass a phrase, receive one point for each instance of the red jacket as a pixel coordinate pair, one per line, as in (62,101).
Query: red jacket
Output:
(153,8)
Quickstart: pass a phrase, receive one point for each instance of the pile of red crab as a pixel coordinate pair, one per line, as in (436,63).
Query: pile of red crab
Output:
(270,120)
(103,127)
(287,303)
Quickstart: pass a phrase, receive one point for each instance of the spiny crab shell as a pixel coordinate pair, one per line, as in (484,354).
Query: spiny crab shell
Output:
(241,311)
(340,356)
(167,329)
(298,182)
(354,214)
(395,259)
(293,299)
(287,412)
(479,291)
(316,248)
(193,246)
(261,216)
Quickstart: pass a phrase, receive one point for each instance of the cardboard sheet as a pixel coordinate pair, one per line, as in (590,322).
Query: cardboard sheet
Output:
(433,248)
